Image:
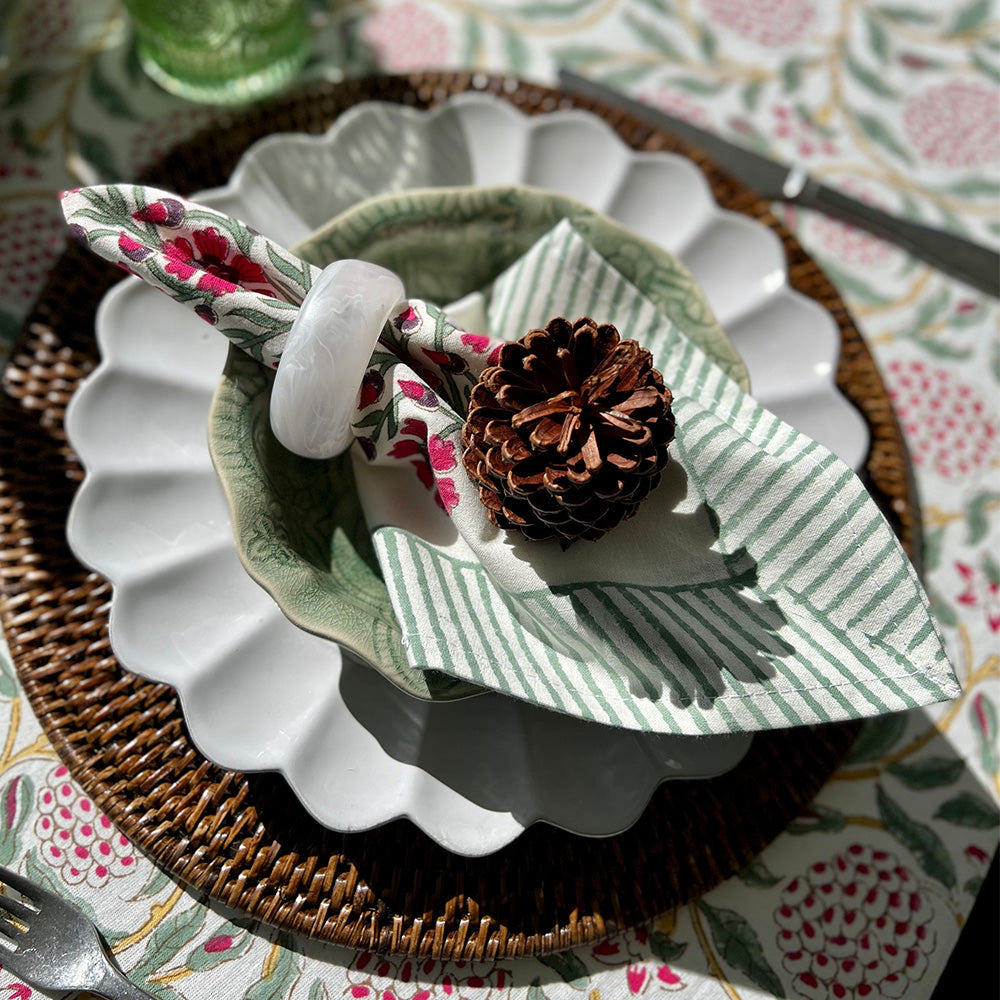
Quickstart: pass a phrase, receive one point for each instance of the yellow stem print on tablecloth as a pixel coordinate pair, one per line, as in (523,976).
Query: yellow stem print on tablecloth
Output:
(904,300)
(724,69)
(667,924)
(867,821)
(935,517)
(860,170)
(173,976)
(39,747)
(713,963)
(270,961)
(157,912)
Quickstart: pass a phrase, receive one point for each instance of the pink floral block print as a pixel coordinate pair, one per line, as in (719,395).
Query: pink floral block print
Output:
(393,978)
(76,839)
(407,36)
(413,397)
(855,926)
(956,124)
(225,271)
(642,975)
(222,269)
(979,588)
(772,23)
(950,428)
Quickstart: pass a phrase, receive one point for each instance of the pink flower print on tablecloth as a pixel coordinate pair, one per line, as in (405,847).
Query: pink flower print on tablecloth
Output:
(849,245)
(43,25)
(980,589)
(772,23)
(377,977)
(949,427)
(857,926)
(642,973)
(956,124)
(77,839)
(406,36)
(792,127)
(652,976)
(33,240)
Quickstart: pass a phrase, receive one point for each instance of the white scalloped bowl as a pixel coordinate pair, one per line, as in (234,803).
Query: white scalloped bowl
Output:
(260,694)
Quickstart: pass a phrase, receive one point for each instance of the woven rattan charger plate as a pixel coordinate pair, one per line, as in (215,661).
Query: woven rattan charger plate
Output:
(245,839)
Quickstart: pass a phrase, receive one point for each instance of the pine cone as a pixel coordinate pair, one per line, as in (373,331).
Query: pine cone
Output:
(568,432)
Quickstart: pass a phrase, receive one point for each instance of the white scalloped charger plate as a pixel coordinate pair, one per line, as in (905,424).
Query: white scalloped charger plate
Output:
(260,694)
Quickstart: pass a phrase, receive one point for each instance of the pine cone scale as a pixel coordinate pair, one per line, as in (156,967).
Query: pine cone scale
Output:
(565,402)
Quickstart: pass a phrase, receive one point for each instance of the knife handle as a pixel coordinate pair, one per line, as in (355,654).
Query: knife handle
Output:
(969,262)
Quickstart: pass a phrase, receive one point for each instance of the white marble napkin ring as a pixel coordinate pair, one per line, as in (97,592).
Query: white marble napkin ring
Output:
(329,346)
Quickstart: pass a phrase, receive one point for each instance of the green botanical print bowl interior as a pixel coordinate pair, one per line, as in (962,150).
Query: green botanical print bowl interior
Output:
(299,528)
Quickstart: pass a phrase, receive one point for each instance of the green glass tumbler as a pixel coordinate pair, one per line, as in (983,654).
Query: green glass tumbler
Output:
(220,51)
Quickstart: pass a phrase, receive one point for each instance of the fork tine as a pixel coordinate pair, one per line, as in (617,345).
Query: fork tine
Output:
(10,931)
(20,884)
(17,909)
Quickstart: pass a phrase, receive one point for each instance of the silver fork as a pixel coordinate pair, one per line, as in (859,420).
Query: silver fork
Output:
(52,945)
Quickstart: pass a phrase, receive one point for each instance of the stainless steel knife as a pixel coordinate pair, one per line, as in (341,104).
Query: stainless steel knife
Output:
(962,259)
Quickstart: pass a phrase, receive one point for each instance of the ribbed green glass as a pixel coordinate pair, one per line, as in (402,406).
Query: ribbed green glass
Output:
(220,51)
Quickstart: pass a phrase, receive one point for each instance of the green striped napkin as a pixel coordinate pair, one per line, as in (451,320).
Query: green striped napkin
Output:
(758,587)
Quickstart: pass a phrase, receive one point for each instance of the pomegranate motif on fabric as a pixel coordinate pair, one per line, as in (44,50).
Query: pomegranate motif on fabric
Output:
(950,428)
(955,123)
(407,36)
(77,839)
(772,23)
(855,927)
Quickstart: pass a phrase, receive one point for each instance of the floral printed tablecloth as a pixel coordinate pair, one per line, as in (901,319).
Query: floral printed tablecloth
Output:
(896,101)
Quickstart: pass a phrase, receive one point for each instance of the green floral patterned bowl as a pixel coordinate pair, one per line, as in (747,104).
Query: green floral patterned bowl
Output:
(298,523)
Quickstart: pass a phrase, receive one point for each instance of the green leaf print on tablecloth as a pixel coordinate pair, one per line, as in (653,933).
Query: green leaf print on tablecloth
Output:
(969,810)
(925,845)
(739,946)
(929,773)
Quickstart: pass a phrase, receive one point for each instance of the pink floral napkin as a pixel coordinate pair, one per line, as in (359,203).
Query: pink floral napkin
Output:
(245,285)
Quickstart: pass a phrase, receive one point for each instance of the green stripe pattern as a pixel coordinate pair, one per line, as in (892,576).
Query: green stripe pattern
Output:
(804,610)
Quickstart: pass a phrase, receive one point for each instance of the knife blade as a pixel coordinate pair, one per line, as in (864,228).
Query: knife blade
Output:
(969,262)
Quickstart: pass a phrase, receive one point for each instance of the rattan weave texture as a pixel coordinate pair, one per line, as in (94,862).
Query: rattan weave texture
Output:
(244,839)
